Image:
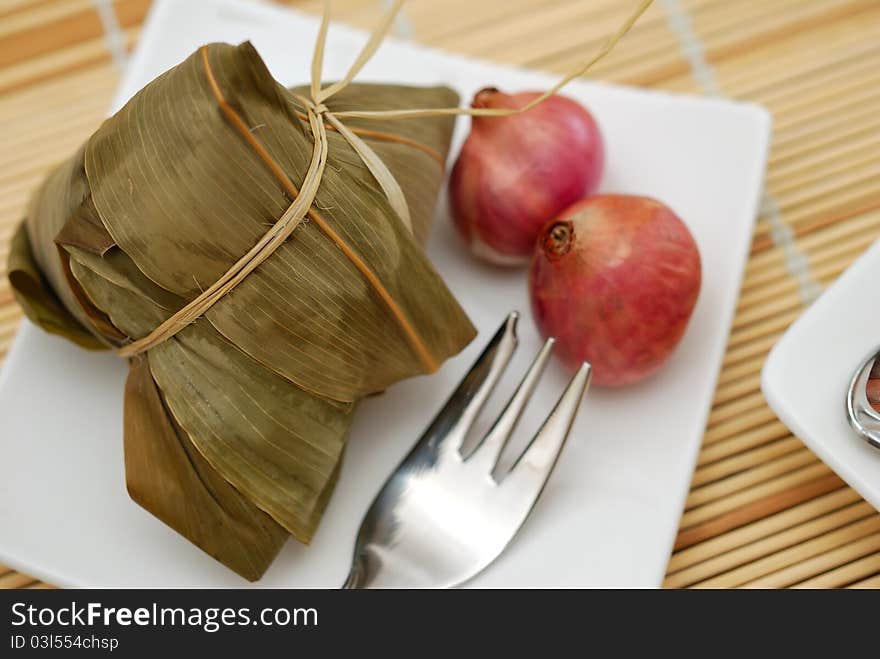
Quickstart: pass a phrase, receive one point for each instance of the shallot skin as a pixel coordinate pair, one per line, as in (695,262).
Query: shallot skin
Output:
(615,279)
(517,172)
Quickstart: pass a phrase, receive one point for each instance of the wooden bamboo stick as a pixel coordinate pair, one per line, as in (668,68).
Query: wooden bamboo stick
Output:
(41,148)
(9,327)
(833,146)
(41,156)
(51,115)
(5,290)
(842,205)
(573,34)
(828,212)
(834,256)
(759,263)
(824,272)
(765,527)
(848,152)
(82,124)
(40,15)
(776,566)
(848,238)
(753,478)
(756,510)
(781,63)
(773,569)
(738,425)
(81,58)
(746,35)
(804,565)
(750,39)
(27,173)
(6,296)
(818,242)
(18,190)
(720,447)
(713,21)
(744,460)
(12,7)
(825,267)
(499,30)
(728,392)
(742,369)
(845,574)
(719,563)
(765,271)
(757,490)
(757,437)
(71,30)
(836,143)
(859,113)
(763,88)
(8,313)
(38,169)
(806,103)
(15,580)
(770,309)
(870,582)
(751,334)
(794,118)
(864,181)
(434,26)
(829,175)
(749,350)
(13,209)
(793,70)
(784,284)
(738,407)
(854,63)
(83,121)
(51,95)
(838,255)
(11,213)
(569,44)
(8,226)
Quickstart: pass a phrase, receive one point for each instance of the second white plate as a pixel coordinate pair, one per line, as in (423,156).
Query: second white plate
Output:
(807,374)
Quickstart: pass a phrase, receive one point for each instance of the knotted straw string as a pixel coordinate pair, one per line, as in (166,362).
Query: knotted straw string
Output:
(317,112)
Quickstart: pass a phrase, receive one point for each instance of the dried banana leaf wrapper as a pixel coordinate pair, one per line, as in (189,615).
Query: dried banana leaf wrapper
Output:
(235,427)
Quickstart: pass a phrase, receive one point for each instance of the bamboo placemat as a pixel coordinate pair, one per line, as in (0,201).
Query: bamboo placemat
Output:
(763,510)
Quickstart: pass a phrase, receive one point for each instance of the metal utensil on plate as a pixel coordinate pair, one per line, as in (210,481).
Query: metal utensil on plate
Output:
(863,417)
(442,517)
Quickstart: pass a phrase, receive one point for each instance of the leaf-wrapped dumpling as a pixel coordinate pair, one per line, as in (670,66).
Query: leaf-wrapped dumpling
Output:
(236,425)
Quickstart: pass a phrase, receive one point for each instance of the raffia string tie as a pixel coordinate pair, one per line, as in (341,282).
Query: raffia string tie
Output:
(317,112)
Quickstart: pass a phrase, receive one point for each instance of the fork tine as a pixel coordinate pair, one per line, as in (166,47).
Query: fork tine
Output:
(533,467)
(458,414)
(487,452)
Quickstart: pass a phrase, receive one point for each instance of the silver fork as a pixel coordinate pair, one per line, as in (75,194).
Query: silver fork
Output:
(442,517)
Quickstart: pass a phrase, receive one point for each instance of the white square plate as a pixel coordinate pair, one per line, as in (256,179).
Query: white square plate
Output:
(609,514)
(807,374)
